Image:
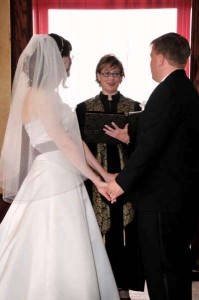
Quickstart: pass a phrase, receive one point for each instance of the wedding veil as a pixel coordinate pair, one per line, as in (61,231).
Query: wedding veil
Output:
(41,75)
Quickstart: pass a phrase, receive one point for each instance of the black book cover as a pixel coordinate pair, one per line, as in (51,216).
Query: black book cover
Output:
(95,122)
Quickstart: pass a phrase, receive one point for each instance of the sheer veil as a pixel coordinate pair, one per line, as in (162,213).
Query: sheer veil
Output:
(40,77)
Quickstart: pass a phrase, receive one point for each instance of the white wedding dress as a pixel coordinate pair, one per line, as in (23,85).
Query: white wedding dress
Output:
(50,244)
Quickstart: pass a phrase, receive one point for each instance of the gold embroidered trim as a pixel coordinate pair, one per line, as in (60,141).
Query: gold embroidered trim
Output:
(101,208)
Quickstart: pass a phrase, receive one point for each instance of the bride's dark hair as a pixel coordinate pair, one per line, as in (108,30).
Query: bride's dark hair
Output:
(64,46)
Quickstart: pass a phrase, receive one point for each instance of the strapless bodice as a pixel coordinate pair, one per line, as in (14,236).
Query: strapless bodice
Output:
(37,132)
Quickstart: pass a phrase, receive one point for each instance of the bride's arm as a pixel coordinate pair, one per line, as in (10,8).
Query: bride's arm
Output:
(71,151)
(95,165)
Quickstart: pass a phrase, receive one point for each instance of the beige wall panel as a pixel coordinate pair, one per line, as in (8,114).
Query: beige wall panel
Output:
(5,65)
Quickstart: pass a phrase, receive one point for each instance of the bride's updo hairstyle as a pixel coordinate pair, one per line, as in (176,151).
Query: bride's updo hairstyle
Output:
(63,45)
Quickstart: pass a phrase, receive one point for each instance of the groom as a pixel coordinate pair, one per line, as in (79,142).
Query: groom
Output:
(163,172)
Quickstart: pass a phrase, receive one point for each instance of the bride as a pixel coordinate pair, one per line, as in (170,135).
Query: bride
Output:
(50,244)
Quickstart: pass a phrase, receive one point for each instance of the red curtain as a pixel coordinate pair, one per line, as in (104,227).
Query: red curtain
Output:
(111,4)
(195,57)
(40,10)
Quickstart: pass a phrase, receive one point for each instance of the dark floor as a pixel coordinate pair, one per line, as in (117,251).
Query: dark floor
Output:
(144,295)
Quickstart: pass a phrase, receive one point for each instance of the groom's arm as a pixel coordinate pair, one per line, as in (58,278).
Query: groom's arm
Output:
(157,124)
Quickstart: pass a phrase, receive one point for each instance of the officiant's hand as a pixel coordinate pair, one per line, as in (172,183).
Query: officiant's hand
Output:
(118,133)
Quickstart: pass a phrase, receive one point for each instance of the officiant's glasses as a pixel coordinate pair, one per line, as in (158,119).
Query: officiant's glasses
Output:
(109,74)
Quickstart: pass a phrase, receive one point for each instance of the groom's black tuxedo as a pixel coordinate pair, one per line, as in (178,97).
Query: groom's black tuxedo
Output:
(162,169)
(163,174)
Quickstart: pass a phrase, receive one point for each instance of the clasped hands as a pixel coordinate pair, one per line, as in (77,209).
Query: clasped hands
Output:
(110,189)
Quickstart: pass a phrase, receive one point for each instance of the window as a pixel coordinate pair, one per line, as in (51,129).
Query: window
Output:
(125,33)
(122,27)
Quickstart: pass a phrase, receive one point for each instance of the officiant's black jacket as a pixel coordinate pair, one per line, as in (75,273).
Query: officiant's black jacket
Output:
(163,170)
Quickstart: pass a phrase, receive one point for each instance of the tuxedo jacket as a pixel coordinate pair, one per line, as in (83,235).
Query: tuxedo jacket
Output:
(163,170)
